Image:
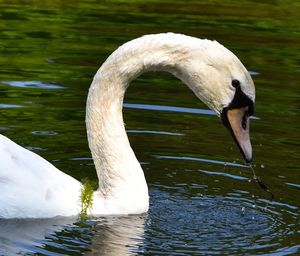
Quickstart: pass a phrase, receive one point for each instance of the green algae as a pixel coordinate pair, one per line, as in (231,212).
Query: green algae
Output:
(86,199)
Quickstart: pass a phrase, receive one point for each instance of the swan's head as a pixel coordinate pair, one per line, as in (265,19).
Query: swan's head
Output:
(221,81)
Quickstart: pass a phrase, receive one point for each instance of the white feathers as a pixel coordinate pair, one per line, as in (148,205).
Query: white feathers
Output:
(31,187)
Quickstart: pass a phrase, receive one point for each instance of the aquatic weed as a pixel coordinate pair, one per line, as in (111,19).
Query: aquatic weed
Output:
(86,198)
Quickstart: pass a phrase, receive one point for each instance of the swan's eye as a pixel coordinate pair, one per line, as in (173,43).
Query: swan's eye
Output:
(235,83)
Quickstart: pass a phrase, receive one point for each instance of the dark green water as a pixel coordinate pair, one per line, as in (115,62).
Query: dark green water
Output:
(49,52)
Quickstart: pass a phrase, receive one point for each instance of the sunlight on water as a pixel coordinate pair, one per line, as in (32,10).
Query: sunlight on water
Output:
(155,132)
(32,84)
(202,160)
(10,106)
(237,177)
(170,108)
(173,109)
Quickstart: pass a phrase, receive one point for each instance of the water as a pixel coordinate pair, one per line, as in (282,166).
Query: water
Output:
(202,202)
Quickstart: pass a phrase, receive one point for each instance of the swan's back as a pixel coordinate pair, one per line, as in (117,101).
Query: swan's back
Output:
(32,187)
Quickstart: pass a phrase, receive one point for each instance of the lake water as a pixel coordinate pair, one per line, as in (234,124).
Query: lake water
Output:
(202,199)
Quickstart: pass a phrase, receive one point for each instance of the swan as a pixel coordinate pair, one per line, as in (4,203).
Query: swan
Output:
(31,187)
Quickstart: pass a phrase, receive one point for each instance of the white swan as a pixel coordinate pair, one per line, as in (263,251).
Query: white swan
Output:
(31,187)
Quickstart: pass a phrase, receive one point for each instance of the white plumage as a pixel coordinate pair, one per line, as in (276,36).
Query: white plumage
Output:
(31,187)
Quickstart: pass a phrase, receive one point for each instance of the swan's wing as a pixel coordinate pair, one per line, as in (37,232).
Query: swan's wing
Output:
(30,186)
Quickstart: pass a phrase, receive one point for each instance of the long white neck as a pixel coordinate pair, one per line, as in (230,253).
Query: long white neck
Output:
(121,178)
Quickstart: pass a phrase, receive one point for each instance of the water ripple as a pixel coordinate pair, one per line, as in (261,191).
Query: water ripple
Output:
(201,160)
(293,185)
(33,84)
(170,108)
(4,106)
(217,224)
(236,177)
(44,133)
(154,132)
(198,111)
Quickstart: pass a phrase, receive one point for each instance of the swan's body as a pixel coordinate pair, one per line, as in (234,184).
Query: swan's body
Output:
(32,187)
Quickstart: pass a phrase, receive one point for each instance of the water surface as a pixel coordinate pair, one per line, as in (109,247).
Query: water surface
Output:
(202,199)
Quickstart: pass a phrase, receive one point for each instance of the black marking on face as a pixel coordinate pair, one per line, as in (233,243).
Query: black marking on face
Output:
(239,100)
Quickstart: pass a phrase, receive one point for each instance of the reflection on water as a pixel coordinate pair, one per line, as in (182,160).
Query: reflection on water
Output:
(202,202)
(118,236)
(102,236)
(174,109)
(10,106)
(170,108)
(32,84)
(176,223)
(19,236)
(202,160)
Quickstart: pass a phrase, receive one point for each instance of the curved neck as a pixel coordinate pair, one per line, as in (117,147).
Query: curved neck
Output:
(116,165)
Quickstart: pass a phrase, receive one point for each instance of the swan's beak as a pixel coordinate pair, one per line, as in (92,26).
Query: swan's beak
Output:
(237,121)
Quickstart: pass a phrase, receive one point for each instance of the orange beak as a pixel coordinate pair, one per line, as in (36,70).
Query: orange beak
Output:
(237,121)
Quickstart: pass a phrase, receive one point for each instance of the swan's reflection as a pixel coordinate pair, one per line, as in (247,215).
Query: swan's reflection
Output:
(102,236)
(118,236)
(25,235)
